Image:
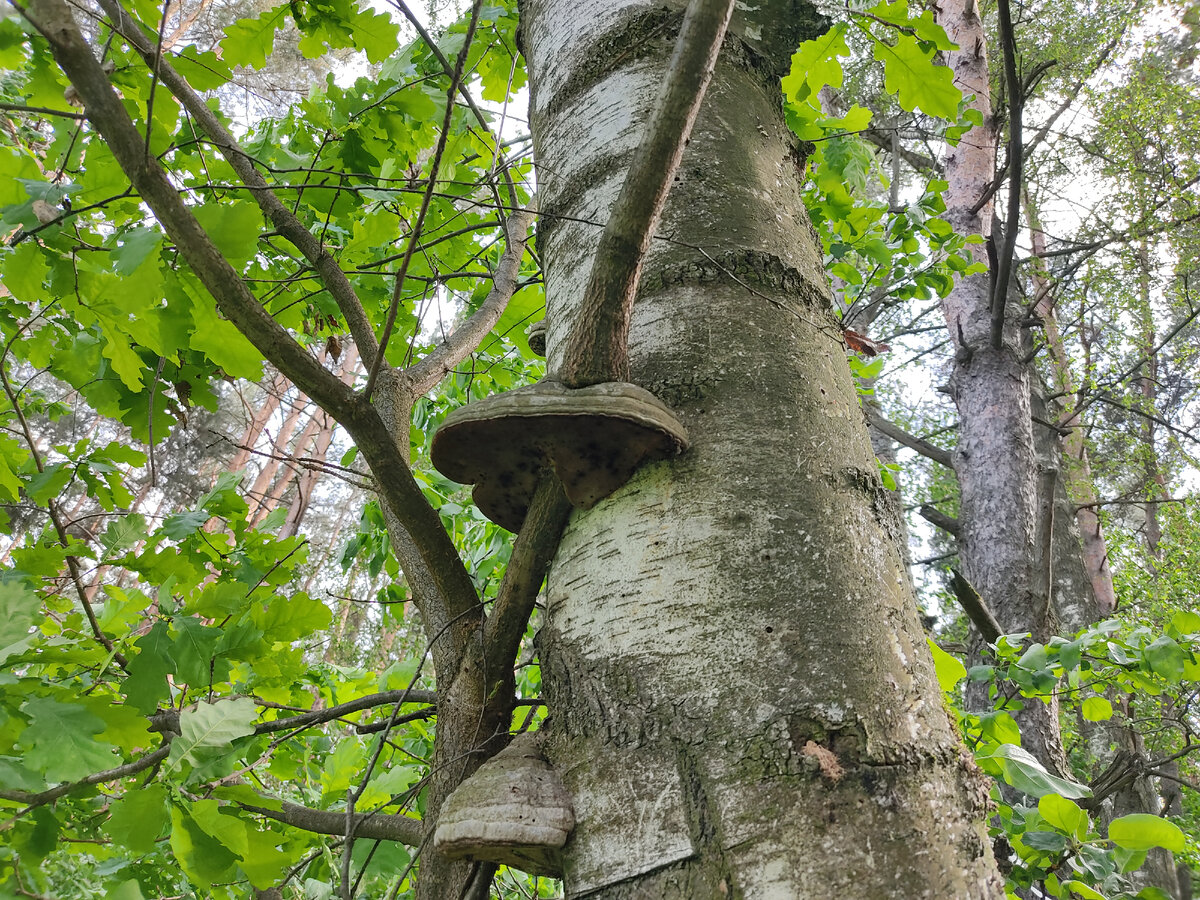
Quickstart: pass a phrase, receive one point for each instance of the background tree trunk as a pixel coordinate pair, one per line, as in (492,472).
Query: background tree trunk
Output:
(742,701)
(1002,521)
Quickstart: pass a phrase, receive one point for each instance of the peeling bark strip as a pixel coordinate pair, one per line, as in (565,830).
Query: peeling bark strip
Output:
(723,610)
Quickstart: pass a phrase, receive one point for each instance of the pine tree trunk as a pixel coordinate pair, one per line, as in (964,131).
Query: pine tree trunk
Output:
(272,396)
(742,702)
(1000,516)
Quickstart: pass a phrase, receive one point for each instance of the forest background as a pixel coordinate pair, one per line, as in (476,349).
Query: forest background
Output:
(215,680)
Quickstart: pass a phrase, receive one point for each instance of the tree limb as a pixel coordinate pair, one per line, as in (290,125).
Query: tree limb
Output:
(936,517)
(912,442)
(318,716)
(975,608)
(597,345)
(1016,163)
(882,138)
(40,111)
(534,548)
(373,826)
(48,796)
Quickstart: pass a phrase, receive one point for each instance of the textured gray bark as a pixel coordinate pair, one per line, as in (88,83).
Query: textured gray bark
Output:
(1003,546)
(742,701)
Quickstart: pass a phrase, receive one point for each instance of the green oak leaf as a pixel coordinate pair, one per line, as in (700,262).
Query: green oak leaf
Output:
(816,64)
(1083,891)
(146,684)
(249,41)
(205,71)
(211,726)
(138,818)
(217,338)
(194,653)
(234,227)
(20,608)
(203,859)
(910,74)
(375,34)
(61,741)
(135,247)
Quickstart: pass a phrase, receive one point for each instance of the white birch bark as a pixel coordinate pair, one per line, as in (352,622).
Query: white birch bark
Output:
(742,702)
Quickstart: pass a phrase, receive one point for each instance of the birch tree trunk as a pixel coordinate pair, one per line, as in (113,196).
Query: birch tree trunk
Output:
(742,702)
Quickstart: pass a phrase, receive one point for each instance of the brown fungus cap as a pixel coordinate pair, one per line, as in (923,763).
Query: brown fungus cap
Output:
(593,437)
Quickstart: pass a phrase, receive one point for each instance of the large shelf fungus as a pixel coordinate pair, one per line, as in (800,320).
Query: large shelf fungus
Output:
(586,422)
(593,438)
(513,811)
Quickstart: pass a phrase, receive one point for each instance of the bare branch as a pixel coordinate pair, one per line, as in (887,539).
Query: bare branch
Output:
(466,337)
(977,611)
(912,442)
(56,518)
(48,796)
(881,137)
(532,552)
(597,344)
(1016,168)
(41,111)
(936,517)
(318,716)
(373,826)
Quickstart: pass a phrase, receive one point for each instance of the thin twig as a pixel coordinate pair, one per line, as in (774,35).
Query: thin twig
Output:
(415,233)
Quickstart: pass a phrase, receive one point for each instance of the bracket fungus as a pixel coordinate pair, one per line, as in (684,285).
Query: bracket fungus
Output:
(535,334)
(594,438)
(514,811)
(586,421)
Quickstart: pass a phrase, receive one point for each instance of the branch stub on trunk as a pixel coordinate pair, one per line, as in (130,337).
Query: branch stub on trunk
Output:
(513,811)
(593,437)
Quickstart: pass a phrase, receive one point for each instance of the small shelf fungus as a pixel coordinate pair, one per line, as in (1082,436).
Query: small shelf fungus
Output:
(594,438)
(535,334)
(513,811)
